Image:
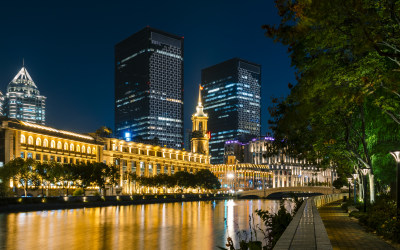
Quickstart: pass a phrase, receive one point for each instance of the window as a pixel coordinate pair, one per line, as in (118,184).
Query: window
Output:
(38,142)
(23,140)
(65,146)
(83,149)
(45,143)
(51,157)
(78,148)
(52,144)
(58,159)
(88,150)
(45,158)
(71,147)
(93,150)
(22,155)
(59,145)
(38,157)
(30,140)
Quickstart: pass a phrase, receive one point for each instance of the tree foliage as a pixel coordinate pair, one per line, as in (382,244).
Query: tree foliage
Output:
(344,110)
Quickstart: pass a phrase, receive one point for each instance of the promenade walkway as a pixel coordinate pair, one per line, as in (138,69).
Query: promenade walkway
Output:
(344,232)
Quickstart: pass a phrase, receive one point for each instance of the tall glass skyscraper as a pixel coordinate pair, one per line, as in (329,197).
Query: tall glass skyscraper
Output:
(149,88)
(23,100)
(232,100)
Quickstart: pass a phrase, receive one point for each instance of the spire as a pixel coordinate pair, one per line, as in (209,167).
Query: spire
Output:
(199,107)
(199,102)
(23,76)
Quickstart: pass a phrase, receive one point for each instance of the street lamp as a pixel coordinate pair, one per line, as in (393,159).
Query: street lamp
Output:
(365,172)
(355,176)
(349,180)
(396,155)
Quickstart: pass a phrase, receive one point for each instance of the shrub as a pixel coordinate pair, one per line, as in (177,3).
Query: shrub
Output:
(78,192)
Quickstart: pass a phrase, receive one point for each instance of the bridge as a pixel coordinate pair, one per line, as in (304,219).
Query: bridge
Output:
(267,192)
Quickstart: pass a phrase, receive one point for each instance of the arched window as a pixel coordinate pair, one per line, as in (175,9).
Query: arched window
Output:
(78,148)
(71,147)
(88,150)
(45,143)
(38,142)
(65,146)
(52,144)
(83,149)
(30,140)
(93,150)
(59,145)
(23,139)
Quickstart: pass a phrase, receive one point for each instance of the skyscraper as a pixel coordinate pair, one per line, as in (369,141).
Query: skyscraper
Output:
(23,100)
(232,100)
(149,88)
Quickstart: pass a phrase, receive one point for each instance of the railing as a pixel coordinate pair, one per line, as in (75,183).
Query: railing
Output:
(306,230)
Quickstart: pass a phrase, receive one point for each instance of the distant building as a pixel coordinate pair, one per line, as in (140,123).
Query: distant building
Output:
(232,100)
(149,88)
(23,100)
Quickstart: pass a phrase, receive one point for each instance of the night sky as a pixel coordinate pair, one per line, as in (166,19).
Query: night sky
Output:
(68,47)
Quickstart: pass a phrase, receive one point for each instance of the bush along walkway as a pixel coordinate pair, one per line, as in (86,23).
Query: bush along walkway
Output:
(345,232)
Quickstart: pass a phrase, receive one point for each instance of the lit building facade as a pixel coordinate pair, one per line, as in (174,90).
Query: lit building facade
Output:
(23,100)
(200,135)
(46,144)
(287,170)
(232,100)
(149,88)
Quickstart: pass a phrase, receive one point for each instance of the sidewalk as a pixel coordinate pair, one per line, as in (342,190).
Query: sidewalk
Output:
(344,232)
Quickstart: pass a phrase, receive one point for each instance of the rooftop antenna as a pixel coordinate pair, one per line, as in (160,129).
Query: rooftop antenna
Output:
(23,62)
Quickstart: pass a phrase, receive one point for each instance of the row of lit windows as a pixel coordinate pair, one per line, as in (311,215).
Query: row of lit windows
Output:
(53,144)
(59,159)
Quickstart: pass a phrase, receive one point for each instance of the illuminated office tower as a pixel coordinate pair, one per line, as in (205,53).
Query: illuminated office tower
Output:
(149,88)
(23,100)
(232,100)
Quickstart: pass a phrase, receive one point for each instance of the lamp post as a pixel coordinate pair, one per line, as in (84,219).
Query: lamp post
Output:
(365,172)
(396,155)
(355,176)
(349,180)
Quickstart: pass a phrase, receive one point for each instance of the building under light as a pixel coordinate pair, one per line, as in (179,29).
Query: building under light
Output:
(149,88)
(23,100)
(231,97)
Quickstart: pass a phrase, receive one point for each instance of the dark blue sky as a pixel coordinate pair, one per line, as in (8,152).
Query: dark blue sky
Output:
(68,48)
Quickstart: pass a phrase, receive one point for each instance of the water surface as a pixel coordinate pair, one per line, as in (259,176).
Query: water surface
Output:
(185,225)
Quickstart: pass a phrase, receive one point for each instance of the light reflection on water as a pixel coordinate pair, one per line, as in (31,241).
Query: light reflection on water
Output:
(186,225)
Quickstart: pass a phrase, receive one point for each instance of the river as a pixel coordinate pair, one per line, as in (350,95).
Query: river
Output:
(184,225)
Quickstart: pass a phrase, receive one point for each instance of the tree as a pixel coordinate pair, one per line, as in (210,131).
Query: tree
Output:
(207,180)
(346,60)
(22,171)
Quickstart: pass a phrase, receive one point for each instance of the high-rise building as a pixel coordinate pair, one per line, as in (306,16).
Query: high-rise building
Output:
(149,88)
(23,100)
(232,100)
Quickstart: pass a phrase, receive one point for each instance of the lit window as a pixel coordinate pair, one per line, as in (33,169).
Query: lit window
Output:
(52,144)
(88,150)
(65,146)
(23,140)
(45,143)
(59,145)
(83,149)
(30,140)
(71,147)
(38,142)
(78,148)
(94,150)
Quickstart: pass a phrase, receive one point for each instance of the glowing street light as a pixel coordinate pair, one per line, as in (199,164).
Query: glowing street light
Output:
(349,180)
(365,172)
(396,155)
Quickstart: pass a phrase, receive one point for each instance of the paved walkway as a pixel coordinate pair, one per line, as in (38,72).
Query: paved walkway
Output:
(344,232)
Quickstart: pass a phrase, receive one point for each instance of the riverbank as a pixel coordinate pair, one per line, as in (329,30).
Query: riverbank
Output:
(28,204)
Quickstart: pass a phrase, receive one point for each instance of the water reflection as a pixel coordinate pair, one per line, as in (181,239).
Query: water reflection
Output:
(187,225)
